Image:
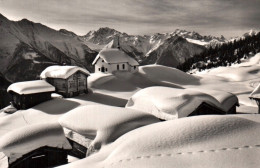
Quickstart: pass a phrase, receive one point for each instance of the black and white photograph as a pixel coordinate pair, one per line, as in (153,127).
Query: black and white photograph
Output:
(129,83)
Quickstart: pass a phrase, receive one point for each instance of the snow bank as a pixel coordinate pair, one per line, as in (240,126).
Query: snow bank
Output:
(171,103)
(30,87)
(201,141)
(103,123)
(63,72)
(163,74)
(28,138)
(114,55)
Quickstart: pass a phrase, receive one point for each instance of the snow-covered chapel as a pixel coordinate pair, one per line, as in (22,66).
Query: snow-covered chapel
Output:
(110,60)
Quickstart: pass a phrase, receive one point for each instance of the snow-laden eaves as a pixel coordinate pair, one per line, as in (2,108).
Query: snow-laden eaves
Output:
(172,103)
(31,87)
(63,72)
(31,137)
(113,56)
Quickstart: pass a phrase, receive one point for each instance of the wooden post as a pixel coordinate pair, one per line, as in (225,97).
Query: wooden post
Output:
(258,104)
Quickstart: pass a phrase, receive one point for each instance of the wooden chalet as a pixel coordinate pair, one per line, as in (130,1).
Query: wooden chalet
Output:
(255,95)
(68,81)
(41,158)
(207,109)
(30,93)
(38,145)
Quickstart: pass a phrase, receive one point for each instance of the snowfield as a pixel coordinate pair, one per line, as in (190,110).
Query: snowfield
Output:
(133,137)
(201,141)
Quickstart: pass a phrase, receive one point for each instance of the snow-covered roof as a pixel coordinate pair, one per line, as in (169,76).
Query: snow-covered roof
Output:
(30,87)
(171,103)
(114,55)
(103,123)
(57,71)
(28,138)
(256,92)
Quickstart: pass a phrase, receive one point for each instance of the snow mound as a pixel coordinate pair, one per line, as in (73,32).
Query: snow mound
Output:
(103,124)
(30,87)
(114,55)
(201,141)
(171,103)
(63,72)
(163,74)
(97,79)
(28,138)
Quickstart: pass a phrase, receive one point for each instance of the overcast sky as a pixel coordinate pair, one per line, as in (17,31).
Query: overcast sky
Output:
(208,17)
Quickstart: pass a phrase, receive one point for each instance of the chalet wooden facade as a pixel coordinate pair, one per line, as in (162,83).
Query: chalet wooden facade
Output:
(41,158)
(28,94)
(207,109)
(68,81)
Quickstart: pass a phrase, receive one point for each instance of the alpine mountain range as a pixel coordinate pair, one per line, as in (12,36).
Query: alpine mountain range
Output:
(26,48)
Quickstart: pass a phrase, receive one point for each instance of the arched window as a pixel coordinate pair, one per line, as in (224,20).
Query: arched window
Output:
(123,66)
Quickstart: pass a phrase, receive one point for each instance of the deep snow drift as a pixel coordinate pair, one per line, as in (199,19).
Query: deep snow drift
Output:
(200,141)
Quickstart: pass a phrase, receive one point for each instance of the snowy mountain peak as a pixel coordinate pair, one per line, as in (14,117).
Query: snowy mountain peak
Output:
(103,35)
(196,36)
(68,33)
(2,17)
(107,30)
(250,33)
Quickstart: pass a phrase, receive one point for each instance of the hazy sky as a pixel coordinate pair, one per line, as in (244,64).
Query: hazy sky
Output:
(215,17)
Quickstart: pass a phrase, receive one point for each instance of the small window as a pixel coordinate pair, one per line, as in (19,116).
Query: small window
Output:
(102,60)
(98,69)
(134,67)
(117,67)
(123,66)
(106,69)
